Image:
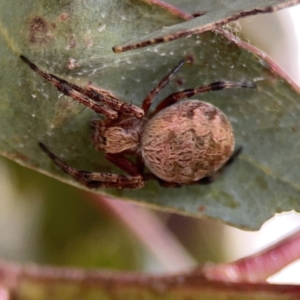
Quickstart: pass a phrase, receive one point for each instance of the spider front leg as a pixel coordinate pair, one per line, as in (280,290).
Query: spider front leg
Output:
(150,97)
(99,100)
(95,179)
(113,102)
(188,93)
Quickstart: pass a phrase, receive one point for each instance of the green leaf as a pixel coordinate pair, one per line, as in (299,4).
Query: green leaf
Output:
(213,14)
(74,39)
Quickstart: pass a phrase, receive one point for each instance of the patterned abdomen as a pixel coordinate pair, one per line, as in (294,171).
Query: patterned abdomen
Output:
(187,141)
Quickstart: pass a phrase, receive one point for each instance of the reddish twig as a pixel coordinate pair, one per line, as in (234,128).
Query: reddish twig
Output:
(260,266)
(35,282)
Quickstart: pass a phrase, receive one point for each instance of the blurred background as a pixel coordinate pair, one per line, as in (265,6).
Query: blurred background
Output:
(48,222)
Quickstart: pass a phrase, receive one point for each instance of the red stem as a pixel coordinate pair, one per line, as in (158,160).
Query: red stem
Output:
(260,266)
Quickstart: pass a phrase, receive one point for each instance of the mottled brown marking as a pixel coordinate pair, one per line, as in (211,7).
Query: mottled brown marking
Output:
(190,59)
(171,136)
(40,31)
(190,113)
(64,16)
(202,140)
(212,113)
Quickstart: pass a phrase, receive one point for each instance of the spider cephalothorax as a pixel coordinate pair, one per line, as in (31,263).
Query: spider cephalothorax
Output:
(181,143)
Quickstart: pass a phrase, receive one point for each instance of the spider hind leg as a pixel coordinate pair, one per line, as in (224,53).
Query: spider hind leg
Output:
(210,179)
(96,179)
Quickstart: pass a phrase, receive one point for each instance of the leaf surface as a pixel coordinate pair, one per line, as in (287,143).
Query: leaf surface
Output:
(212,14)
(74,39)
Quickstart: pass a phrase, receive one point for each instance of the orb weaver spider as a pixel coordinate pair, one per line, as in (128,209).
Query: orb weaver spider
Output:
(181,142)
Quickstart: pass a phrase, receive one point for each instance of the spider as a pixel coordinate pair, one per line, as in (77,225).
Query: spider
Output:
(181,142)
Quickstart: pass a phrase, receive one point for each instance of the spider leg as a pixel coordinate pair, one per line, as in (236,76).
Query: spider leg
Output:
(95,179)
(149,99)
(188,93)
(90,97)
(123,163)
(101,95)
(230,161)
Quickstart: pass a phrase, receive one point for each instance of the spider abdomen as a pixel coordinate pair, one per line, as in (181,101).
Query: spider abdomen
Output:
(187,141)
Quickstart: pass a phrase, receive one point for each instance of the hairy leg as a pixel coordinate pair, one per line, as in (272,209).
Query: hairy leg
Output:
(150,97)
(99,100)
(95,179)
(188,93)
